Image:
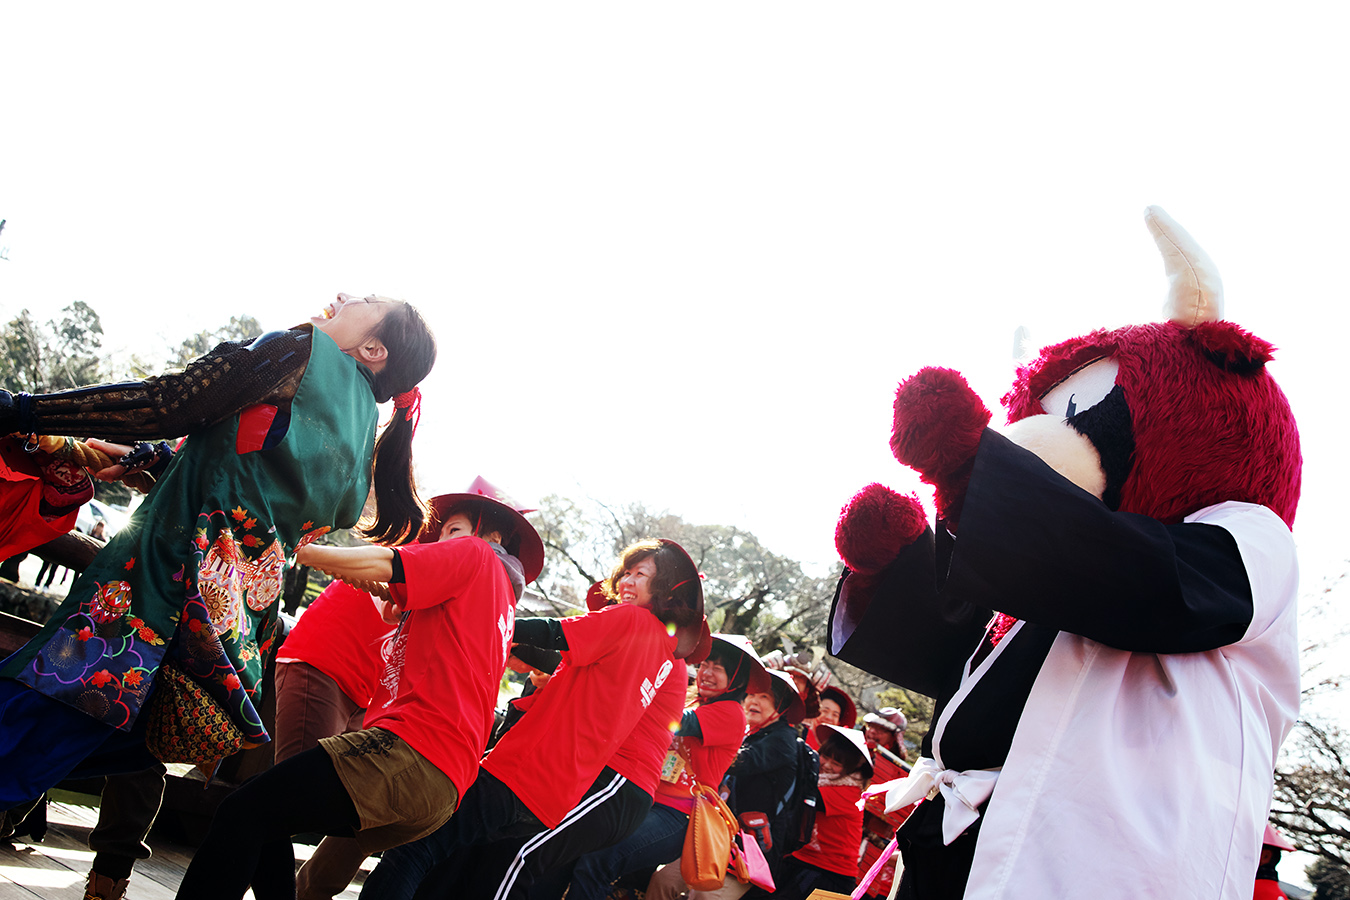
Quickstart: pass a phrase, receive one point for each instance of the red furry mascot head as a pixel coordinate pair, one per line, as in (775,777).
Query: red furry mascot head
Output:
(1182,414)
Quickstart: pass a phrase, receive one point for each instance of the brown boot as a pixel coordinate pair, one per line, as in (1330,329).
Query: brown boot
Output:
(101,887)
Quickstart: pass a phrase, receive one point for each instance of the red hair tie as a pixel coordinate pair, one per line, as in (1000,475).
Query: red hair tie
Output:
(412,402)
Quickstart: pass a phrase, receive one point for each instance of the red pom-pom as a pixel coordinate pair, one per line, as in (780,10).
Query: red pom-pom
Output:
(938,423)
(875,526)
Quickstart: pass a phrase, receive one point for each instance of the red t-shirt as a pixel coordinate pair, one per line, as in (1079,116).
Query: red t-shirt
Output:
(340,634)
(723,727)
(444,664)
(640,756)
(835,843)
(615,658)
(1268,889)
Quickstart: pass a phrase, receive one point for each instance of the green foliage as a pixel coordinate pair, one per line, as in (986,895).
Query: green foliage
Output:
(239,328)
(1329,881)
(54,355)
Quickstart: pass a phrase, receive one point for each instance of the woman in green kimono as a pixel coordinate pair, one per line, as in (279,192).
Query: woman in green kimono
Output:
(280,450)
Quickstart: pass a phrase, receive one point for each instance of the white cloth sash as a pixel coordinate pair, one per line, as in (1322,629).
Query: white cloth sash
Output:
(962,793)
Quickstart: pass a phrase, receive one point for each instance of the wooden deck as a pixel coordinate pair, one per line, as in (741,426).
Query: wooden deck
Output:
(56,868)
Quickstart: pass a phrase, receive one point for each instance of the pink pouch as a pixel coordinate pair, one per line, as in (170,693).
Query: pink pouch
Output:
(749,863)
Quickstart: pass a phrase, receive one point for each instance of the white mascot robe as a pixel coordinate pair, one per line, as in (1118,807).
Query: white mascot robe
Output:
(1130,773)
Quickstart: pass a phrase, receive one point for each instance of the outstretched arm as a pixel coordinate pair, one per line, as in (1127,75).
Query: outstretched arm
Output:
(232,376)
(1037,547)
(354,565)
(888,616)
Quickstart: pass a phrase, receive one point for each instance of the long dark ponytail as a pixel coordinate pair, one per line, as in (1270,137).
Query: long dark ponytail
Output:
(399,511)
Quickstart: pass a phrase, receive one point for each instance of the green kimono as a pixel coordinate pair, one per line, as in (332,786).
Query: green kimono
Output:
(199,570)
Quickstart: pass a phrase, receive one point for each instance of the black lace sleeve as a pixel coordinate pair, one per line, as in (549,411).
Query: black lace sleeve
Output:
(213,387)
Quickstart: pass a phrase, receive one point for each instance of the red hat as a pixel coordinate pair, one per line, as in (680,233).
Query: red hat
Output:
(703,647)
(1274,839)
(740,645)
(525,545)
(596,598)
(796,709)
(848,710)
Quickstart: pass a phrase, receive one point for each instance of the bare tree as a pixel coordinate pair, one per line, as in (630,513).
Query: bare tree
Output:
(747,588)
(1312,792)
(1322,666)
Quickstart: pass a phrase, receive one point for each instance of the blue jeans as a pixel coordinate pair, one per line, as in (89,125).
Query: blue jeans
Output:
(657,841)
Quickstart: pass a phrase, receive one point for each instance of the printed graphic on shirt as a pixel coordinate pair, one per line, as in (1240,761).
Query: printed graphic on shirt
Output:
(393,651)
(649,690)
(507,627)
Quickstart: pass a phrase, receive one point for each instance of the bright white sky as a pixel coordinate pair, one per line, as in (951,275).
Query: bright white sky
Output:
(682,253)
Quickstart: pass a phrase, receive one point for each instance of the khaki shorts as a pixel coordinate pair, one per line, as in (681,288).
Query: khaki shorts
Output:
(398,794)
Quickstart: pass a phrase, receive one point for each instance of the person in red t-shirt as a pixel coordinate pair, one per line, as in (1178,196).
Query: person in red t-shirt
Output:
(328,667)
(429,717)
(325,675)
(705,744)
(829,861)
(1267,885)
(551,768)
(551,854)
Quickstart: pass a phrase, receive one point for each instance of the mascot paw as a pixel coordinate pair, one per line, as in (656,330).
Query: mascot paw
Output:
(938,422)
(936,431)
(875,526)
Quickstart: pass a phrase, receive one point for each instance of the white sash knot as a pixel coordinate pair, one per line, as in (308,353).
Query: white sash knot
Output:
(962,793)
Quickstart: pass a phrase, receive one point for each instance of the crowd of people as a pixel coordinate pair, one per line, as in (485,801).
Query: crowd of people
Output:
(388,738)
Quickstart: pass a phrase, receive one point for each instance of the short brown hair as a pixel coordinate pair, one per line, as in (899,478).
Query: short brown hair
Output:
(674,589)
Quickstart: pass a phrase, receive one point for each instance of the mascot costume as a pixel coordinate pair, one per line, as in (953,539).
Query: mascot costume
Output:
(1105,612)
